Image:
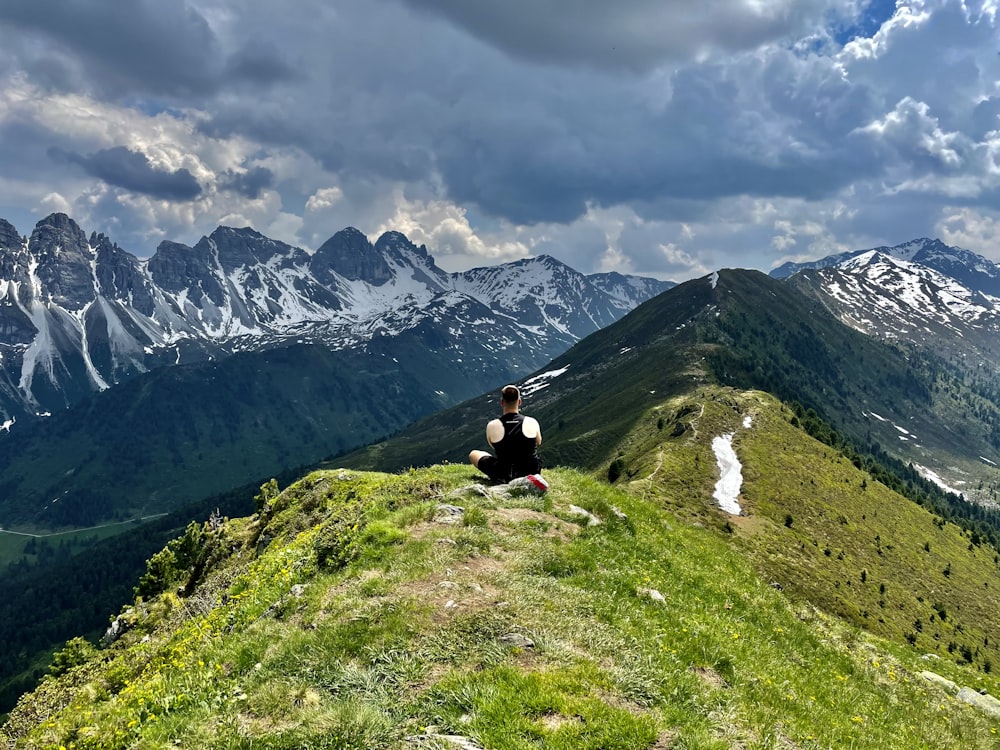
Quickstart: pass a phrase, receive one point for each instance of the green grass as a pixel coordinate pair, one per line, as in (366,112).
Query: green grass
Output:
(408,630)
(824,530)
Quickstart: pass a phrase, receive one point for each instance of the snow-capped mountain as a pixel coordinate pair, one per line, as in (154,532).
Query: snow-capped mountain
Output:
(79,314)
(922,291)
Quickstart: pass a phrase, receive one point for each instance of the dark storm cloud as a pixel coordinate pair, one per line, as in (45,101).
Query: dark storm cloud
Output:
(725,131)
(260,62)
(536,145)
(133,171)
(166,46)
(250,183)
(629,34)
(147,46)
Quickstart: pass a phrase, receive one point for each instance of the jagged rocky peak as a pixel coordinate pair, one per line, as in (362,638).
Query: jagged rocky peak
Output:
(64,256)
(119,275)
(176,267)
(244,246)
(9,238)
(396,241)
(351,255)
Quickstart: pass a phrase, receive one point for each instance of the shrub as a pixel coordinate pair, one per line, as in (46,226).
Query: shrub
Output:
(77,651)
(167,566)
(616,469)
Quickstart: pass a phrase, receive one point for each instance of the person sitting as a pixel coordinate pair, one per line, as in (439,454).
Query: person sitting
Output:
(515,438)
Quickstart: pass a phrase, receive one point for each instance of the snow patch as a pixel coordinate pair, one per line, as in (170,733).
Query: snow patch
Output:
(727,489)
(747,422)
(537,383)
(986,460)
(932,476)
(8,424)
(714,279)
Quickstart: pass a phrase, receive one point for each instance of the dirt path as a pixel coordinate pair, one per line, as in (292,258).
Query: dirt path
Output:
(77,531)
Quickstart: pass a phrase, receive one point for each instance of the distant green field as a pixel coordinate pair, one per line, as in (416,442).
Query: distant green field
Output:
(15,545)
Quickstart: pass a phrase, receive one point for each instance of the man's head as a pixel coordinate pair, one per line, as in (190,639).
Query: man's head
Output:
(510,398)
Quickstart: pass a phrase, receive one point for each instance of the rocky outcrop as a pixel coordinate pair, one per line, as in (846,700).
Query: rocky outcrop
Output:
(64,260)
(9,238)
(981,700)
(350,254)
(120,277)
(176,267)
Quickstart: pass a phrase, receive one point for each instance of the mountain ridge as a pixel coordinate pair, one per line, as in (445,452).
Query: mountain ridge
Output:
(424,609)
(743,329)
(79,315)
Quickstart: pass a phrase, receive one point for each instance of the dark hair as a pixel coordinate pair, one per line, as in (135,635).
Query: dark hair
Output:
(510,394)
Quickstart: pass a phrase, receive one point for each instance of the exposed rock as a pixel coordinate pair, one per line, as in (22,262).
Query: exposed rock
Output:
(432,741)
(176,267)
(472,490)
(517,640)
(942,682)
(64,262)
(263,542)
(652,594)
(119,627)
(9,238)
(590,518)
(120,276)
(350,254)
(984,702)
(451,514)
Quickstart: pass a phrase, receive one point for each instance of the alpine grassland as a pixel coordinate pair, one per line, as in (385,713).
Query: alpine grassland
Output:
(426,609)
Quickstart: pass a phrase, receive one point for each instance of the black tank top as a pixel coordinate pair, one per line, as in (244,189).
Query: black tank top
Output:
(517,454)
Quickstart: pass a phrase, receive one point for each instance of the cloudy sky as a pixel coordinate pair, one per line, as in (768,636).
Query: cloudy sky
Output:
(660,137)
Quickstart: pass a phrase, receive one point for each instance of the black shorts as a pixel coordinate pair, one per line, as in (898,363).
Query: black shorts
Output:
(488,464)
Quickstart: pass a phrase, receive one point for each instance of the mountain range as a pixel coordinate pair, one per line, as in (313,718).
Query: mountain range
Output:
(79,314)
(924,292)
(130,387)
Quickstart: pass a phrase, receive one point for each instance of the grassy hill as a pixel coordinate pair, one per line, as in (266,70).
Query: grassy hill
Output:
(748,331)
(821,528)
(363,610)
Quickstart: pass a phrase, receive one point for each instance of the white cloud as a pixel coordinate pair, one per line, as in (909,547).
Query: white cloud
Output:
(444,227)
(55,203)
(973,229)
(324,199)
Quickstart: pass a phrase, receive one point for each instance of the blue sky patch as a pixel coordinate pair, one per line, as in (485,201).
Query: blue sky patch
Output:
(877,13)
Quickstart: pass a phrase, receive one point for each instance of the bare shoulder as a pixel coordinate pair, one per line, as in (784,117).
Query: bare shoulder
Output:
(494,431)
(530,427)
